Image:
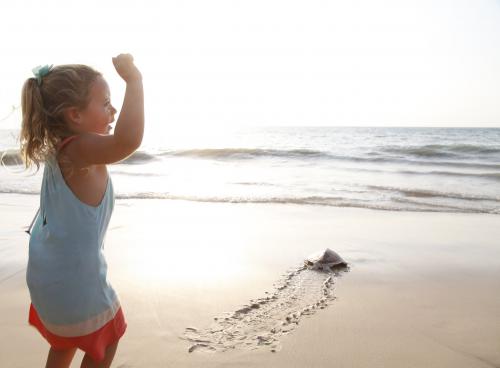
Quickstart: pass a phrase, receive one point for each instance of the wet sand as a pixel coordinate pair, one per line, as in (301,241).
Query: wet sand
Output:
(421,290)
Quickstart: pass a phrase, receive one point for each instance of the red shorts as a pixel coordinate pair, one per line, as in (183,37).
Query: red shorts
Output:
(93,344)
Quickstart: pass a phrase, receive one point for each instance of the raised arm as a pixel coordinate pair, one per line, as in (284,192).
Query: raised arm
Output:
(91,148)
(129,128)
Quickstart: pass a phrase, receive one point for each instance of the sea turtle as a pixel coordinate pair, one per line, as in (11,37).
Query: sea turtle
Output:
(326,260)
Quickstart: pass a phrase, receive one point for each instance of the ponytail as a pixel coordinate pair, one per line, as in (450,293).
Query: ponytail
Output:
(34,138)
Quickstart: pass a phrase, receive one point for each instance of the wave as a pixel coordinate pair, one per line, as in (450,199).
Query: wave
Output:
(465,165)
(19,191)
(256,183)
(434,207)
(140,174)
(329,201)
(242,153)
(138,157)
(485,175)
(489,175)
(442,150)
(422,193)
(11,157)
(398,204)
(426,154)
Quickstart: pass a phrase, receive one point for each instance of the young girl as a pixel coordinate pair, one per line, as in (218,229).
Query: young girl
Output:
(66,113)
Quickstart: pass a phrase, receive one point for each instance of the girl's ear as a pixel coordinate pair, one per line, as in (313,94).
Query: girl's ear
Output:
(72,115)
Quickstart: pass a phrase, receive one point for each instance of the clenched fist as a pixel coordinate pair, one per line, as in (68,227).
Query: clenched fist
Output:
(125,67)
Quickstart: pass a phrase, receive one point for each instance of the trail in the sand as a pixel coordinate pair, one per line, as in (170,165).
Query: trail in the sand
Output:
(262,321)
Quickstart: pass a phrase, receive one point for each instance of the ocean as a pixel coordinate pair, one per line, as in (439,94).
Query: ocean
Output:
(398,169)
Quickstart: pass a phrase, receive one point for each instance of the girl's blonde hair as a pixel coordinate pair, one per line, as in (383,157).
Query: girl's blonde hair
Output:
(43,105)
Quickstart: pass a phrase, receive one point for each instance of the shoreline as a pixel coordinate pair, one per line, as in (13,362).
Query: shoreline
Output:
(420,290)
(125,197)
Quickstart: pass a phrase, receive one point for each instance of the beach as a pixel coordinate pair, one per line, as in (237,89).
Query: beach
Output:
(421,289)
(242,144)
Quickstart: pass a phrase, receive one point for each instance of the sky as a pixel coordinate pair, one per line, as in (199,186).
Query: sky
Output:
(272,62)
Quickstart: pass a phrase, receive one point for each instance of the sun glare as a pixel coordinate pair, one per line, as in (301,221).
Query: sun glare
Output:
(170,245)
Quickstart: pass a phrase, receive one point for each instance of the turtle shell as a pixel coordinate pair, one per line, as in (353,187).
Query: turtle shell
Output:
(327,259)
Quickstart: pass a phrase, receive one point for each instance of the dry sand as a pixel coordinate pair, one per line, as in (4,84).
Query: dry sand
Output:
(422,290)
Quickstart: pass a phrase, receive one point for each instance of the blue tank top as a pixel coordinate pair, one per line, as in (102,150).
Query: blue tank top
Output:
(66,273)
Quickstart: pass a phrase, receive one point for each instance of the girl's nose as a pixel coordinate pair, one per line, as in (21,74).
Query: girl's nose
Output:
(113,110)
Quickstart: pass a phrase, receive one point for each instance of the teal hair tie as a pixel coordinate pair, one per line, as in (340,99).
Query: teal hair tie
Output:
(41,71)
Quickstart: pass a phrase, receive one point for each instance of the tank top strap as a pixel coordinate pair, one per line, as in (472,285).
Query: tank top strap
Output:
(65,142)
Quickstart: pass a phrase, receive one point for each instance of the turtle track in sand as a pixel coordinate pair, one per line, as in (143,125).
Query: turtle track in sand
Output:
(260,323)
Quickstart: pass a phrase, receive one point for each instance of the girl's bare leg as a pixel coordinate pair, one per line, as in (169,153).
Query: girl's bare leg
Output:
(60,358)
(87,361)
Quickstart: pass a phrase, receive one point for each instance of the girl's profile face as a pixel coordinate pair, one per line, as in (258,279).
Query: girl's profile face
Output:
(99,113)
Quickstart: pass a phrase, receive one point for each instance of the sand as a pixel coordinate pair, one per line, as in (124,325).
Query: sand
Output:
(422,290)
